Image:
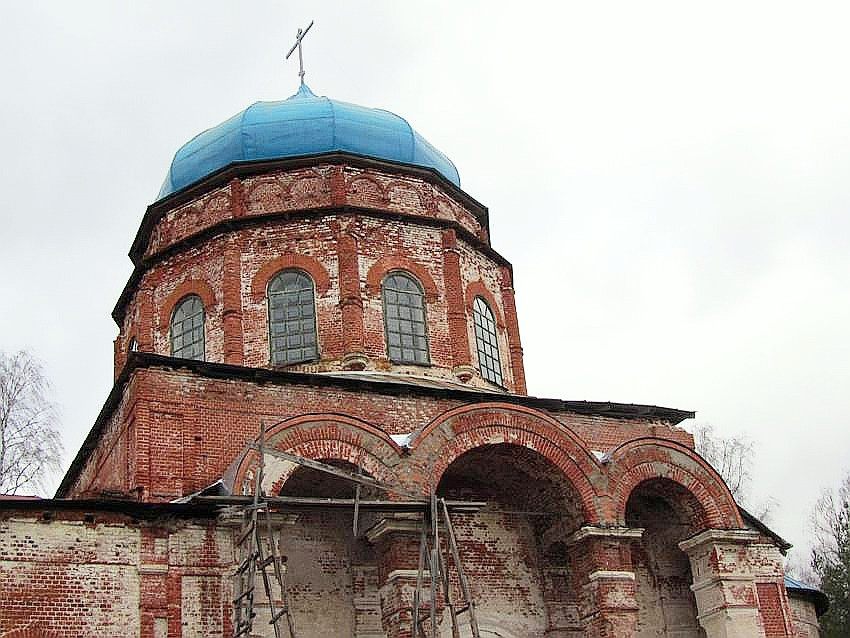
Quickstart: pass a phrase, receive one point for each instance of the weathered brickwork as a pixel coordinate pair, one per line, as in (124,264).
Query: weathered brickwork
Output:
(347,256)
(600,519)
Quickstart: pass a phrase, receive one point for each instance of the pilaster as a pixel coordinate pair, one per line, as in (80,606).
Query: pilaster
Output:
(351,304)
(234,347)
(512,325)
(724,583)
(606,578)
(455,312)
(396,539)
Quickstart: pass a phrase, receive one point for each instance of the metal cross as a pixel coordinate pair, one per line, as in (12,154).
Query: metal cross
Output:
(298,37)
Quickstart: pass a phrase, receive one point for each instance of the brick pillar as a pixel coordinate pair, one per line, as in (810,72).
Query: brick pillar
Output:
(234,347)
(153,583)
(351,304)
(396,540)
(144,302)
(458,335)
(237,198)
(337,180)
(724,584)
(602,559)
(514,345)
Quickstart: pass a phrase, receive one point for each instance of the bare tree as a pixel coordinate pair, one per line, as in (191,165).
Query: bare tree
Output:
(732,457)
(30,445)
(831,557)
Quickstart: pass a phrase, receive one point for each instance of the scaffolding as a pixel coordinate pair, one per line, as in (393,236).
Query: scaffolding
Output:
(439,555)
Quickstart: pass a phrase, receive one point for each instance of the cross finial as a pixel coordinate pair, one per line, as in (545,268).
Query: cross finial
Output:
(298,37)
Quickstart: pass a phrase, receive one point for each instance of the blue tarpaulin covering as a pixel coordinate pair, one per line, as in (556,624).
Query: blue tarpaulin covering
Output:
(304,124)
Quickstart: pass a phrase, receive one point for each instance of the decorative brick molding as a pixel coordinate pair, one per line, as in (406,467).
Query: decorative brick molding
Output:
(32,630)
(463,429)
(325,437)
(311,266)
(188,287)
(649,458)
(478,289)
(506,281)
(389,263)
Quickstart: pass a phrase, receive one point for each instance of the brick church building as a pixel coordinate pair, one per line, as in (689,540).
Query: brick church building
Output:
(315,266)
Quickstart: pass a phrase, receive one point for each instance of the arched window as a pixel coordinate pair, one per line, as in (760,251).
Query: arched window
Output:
(187,329)
(486,341)
(292,318)
(134,345)
(404,319)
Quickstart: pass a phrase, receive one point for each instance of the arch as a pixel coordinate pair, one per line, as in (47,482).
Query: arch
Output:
(640,460)
(33,629)
(187,330)
(487,341)
(293,330)
(468,427)
(327,436)
(405,319)
(478,289)
(189,287)
(310,265)
(384,265)
(407,190)
(365,190)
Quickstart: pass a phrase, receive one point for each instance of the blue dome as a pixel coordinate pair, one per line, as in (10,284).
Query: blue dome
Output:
(304,124)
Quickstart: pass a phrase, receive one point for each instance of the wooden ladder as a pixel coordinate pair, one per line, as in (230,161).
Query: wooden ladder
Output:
(259,552)
(430,552)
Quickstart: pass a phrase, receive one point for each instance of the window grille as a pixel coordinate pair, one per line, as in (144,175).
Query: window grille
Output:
(486,341)
(187,329)
(292,318)
(404,319)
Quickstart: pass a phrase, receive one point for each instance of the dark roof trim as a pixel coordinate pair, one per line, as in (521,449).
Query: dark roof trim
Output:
(282,377)
(142,265)
(135,509)
(243,169)
(784,545)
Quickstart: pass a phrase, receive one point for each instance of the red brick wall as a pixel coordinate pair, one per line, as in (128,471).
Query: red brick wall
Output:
(360,247)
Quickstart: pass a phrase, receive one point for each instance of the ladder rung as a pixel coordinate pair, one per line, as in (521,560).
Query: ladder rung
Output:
(278,615)
(244,594)
(245,534)
(460,610)
(265,562)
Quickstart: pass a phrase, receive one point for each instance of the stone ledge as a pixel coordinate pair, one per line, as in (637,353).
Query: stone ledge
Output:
(590,531)
(736,536)
(610,575)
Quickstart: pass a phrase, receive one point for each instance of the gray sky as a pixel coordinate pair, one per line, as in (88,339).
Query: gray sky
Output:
(670,181)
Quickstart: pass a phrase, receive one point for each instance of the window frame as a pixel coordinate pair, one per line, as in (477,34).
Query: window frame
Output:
(171,324)
(315,323)
(421,292)
(484,368)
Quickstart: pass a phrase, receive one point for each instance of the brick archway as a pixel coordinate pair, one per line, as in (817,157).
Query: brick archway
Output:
(642,460)
(31,630)
(310,265)
(478,289)
(464,429)
(186,288)
(397,262)
(323,436)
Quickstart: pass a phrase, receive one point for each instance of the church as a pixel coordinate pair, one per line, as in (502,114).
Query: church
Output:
(317,320)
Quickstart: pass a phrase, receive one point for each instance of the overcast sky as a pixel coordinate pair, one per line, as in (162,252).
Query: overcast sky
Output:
(670,180)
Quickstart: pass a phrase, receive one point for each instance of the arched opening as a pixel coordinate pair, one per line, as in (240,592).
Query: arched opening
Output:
(520,572)
(669,514)
(331,574)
